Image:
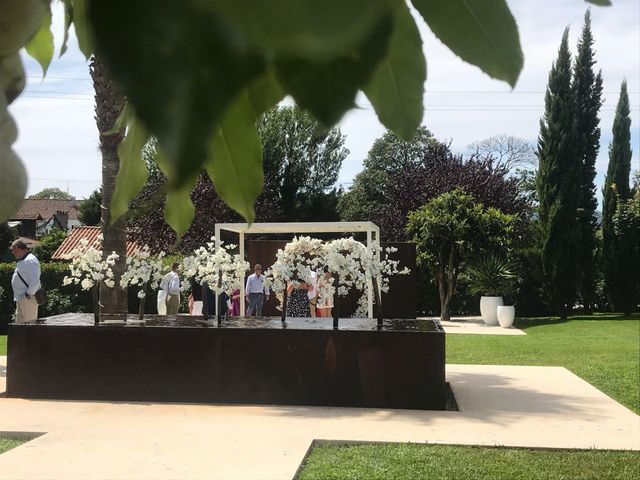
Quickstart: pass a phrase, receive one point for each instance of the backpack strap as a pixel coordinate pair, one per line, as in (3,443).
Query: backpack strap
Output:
(23,280)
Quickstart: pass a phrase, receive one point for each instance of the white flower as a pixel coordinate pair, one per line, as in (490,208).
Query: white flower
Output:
(295,263)
(218,268)
(143,270)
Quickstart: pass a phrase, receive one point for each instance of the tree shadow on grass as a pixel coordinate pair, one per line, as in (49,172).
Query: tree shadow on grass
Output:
(525,323)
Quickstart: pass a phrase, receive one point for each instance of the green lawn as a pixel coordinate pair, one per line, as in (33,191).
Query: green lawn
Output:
(3,344)
(9,443)
(414,461)
(602,349)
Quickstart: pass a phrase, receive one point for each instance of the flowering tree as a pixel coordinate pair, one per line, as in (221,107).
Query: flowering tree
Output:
(294,264)
(351,263)
(218,268)
(88,269)
(354,266)
(142,270)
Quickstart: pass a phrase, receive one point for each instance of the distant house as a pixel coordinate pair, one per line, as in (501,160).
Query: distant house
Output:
(37,217)
(92,235)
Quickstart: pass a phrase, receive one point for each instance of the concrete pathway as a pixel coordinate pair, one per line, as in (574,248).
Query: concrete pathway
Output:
(500,405)
(475,326)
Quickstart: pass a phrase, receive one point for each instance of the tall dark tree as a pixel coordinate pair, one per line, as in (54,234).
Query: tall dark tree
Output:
(109,104)
(388,156)
(558,186)
(616,254)
(90,209)
(439,172)
(301,161)
(587,94)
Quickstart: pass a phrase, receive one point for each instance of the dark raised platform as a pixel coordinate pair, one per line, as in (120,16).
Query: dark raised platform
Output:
(251,360)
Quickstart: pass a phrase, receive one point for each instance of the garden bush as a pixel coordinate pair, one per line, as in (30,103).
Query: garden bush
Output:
(63,298)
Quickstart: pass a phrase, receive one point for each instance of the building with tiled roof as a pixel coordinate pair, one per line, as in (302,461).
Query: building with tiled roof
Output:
(92,235)
(37,217)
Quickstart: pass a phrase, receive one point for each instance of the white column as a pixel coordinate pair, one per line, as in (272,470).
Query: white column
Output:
(369,283)
(242,293)
(377,254)
(218,242)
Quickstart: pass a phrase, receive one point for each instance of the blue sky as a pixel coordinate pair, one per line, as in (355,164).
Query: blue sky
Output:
(58,139)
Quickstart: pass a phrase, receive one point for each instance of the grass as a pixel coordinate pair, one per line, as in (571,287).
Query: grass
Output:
(414,461)
(9,443)
(603,349)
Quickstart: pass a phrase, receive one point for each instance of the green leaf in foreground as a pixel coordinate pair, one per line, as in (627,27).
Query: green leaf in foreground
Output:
(133,172)
(13,181)
(82,27)
(235,161)
(601,3)
(179,209)
(396,88)
(180,66)
(328,90)
(40,47)
(481,32)
(311,30)
(68,19)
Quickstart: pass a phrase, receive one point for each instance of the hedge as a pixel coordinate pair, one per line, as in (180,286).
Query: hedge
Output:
(61,298)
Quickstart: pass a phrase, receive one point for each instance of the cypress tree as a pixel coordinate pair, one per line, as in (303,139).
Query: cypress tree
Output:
(587,95)
(557,185)
(615,254)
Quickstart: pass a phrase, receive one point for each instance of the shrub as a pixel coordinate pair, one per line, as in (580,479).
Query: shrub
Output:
(61,299)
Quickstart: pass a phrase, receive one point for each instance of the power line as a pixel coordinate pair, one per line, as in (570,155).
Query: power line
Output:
(479,92)
(451,107)
(81,180)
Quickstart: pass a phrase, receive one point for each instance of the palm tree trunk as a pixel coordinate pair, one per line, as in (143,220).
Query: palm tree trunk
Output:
(109,104)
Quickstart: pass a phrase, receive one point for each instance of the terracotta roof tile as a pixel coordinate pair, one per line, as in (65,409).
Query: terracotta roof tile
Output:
(91,234)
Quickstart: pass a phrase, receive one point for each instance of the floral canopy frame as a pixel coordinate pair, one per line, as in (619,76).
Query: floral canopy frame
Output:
(296,228)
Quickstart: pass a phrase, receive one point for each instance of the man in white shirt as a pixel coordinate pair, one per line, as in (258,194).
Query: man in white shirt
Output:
(170,292)
(255,291)
(25,282)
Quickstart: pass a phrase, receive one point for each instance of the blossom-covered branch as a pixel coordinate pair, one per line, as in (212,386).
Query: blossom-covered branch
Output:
(208,262)
(143,270)
(88,267)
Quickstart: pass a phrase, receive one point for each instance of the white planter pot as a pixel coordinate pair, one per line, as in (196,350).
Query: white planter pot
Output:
(506,315)
(489,309)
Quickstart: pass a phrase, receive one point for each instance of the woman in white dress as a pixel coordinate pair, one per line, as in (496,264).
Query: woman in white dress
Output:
(325,294)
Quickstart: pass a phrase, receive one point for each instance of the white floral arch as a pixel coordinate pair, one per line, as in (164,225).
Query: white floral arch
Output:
(242,229)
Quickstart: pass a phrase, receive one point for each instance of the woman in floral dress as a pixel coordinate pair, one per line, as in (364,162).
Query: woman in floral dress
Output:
(298,300)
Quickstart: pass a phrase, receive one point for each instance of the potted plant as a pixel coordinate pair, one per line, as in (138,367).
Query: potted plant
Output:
(492,277)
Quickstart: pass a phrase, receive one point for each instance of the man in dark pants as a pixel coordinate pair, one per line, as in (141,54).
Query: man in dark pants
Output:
(256,292)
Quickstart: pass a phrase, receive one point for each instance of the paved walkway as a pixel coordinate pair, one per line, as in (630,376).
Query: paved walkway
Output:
(475,326)
(500,405)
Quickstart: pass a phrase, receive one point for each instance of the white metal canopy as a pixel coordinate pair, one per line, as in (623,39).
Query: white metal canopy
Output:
(371,229)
